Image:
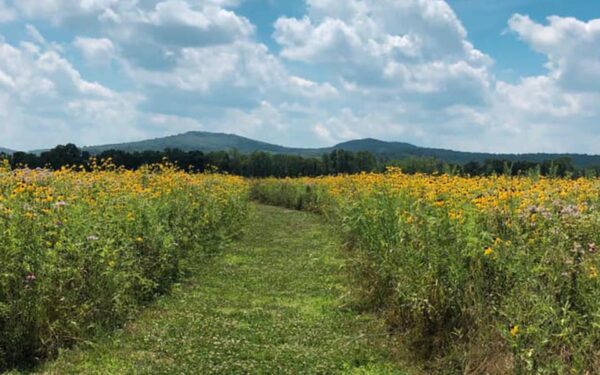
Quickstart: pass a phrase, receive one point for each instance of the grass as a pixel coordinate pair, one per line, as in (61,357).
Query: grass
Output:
(494,275)
(275,302)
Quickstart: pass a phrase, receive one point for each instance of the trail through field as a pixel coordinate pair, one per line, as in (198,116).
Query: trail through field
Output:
(274,303)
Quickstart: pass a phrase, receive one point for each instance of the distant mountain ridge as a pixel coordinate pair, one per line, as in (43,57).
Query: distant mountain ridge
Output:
(198,141)
(399,150)
(210,142)
(5,151)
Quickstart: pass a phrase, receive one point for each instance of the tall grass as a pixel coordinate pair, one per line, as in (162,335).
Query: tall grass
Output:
(288,193)
(483,275)
(81,251)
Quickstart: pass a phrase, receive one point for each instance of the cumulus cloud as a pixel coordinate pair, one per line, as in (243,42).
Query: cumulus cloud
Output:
(96,51)
(552,112)
(426,29)
(397,70)
(45,98)
(57,11)
(176,22)
(571,46)
(153,34)
(416,47)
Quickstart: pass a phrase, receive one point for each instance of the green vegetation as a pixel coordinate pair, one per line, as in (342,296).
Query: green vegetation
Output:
(256,164)
(267,164)
(493,275)
(80,253)
(386,151)
(196,141)
(210,142)
(276,302)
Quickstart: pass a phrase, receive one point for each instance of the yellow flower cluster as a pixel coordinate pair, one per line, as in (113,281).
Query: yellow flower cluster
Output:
(79,250)
(470,255)
(457,193)
(38,193)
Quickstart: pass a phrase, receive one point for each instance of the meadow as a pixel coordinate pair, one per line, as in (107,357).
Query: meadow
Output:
(82,251)
(477,275)
(470,275)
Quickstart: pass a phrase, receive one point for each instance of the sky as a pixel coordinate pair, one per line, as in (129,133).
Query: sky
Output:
(472,75)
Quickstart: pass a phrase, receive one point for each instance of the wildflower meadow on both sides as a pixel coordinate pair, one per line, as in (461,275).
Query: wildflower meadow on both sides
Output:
(468,271)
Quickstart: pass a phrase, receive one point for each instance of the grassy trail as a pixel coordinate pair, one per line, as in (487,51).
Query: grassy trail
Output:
(272,304)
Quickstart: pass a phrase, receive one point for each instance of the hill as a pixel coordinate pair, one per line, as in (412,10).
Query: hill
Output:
(400,150)
(198,141)
(5,151)
(208,142)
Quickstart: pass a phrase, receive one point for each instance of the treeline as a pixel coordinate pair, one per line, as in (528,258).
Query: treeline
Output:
(561,167)
(263,164)
(257,164)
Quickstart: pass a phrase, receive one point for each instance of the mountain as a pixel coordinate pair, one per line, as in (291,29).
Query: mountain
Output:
(199,141)
(207,142)
(5,151)
(400,150)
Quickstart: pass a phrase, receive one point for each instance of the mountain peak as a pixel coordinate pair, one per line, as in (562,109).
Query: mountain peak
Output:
(378,146)
(211,142)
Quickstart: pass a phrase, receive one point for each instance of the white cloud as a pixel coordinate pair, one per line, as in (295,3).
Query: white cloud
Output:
(96,51)
(50,101)
(428,25)
(176,22)
(153,34)
(58,10)
(264,118)
(571,46)
(331,41)
(540,96)
(7,14)
(35,35)
(412,47)
(396,70)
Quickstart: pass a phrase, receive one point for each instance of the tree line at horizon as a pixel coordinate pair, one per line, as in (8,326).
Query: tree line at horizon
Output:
(264,164)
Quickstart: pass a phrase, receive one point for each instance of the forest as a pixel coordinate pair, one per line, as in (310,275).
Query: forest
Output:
(264,164)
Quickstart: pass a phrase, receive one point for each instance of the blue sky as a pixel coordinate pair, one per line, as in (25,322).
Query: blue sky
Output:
(486,23)
(478,75)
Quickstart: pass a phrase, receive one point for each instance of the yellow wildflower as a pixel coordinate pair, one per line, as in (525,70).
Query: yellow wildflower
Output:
(514,330)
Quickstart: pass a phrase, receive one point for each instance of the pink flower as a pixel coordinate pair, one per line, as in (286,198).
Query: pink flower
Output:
(30,277)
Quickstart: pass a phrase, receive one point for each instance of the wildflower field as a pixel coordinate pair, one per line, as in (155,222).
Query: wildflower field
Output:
(473,275)
(81,251)
(477,275)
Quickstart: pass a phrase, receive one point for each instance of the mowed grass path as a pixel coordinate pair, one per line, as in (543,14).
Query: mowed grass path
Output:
(274,303)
